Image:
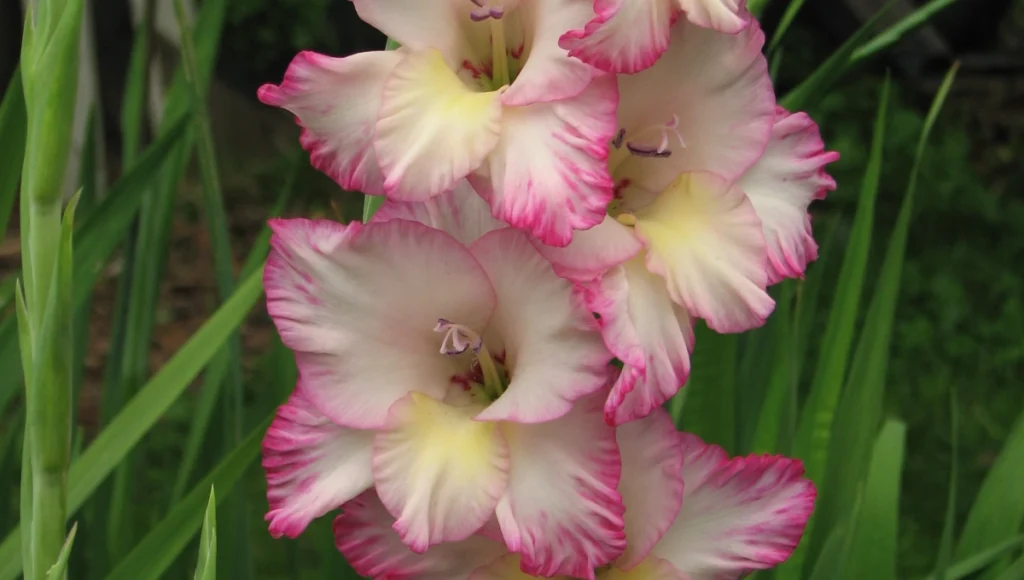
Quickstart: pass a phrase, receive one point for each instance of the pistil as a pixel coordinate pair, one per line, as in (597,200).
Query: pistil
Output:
(459,339)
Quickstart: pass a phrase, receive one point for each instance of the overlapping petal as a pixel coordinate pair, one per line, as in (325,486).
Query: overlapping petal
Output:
(561,510)
(705,239)
(652,482)
(507,567)
(551,342)
(624,36)
(432,130)
(652,568)
(783,182)
(649,333)
(593,252)
(549,74)
(459,212)
(548,174)
(438,471)
(441,24)
(715,92)
(312,465)
(746,513)
(340,297)
(364,536)
(336,100)
(729,16)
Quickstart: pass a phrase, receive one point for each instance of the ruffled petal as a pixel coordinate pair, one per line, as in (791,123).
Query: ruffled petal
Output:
(625,36)
(718,120)
(549,74)
(312,465)
(781,185)
(649,333)
(650,569)
(432,129)
(339,295)
(551,342)
(438,471)
(365,538)
(705,239)
(562,511)
(549,174)
(459,212)
(592,252)
(728,16)
(746,513)
(652,485)
(337,100)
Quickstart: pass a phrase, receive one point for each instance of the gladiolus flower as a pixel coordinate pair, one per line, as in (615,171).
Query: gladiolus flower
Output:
(692,514)
(479,90)
(712,187)
(627,36)
(464,380)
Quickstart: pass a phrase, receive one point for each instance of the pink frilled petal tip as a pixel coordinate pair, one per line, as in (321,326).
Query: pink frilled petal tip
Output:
(649,333)
(782,184)
(562,511)
(740,514)
(548,174)
(312,465)
(337,101)
(364,536)
(340,297)
(550,339)
(624,36)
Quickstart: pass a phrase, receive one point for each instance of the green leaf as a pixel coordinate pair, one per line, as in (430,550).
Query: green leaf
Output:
(142,412)
(949,527)
(792,9)
(13,126)
(978,562)
(1015,571)
(710,410)
(836,552)
(162,544)
(998,510)
(60,569)
(821,80)
(873,550)
(206,567)
(906,24)
(781,379)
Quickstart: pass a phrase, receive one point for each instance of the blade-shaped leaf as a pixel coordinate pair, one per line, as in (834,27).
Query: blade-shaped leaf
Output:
(60,568)
(206,567)
(710,409)
(12,148)
(949,526)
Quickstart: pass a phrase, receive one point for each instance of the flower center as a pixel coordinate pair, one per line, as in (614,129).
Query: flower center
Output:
(487,377)
(651,141)
(504,59)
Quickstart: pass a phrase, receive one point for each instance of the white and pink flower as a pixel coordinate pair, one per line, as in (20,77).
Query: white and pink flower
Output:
(713,182)
(692,514)
(479,89)
(452,370)
(627,36)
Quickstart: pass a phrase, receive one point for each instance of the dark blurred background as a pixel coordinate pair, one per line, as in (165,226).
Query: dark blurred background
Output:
(961,315)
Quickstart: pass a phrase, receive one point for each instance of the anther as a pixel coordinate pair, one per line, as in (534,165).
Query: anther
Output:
(458,338)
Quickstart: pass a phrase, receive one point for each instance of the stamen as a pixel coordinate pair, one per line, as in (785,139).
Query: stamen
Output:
(499,51)
(667,130)
(458,338)
(645,151)
(626,219)
(617,141)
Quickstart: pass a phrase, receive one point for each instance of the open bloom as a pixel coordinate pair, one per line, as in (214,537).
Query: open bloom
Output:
(479,89)
(692,514)
(627,36)
(712,187)
(463,380)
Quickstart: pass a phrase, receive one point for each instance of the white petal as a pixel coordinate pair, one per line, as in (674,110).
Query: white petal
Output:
(553,349)
(460,212)
(783,182)
(438,471)
(340,298)
(746,513)
(562,511)
(593,252)
(432,130)
(364,536)
(312,465)
(337,100)
(729,16)
(624,36)
(705,239)
(649,333)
